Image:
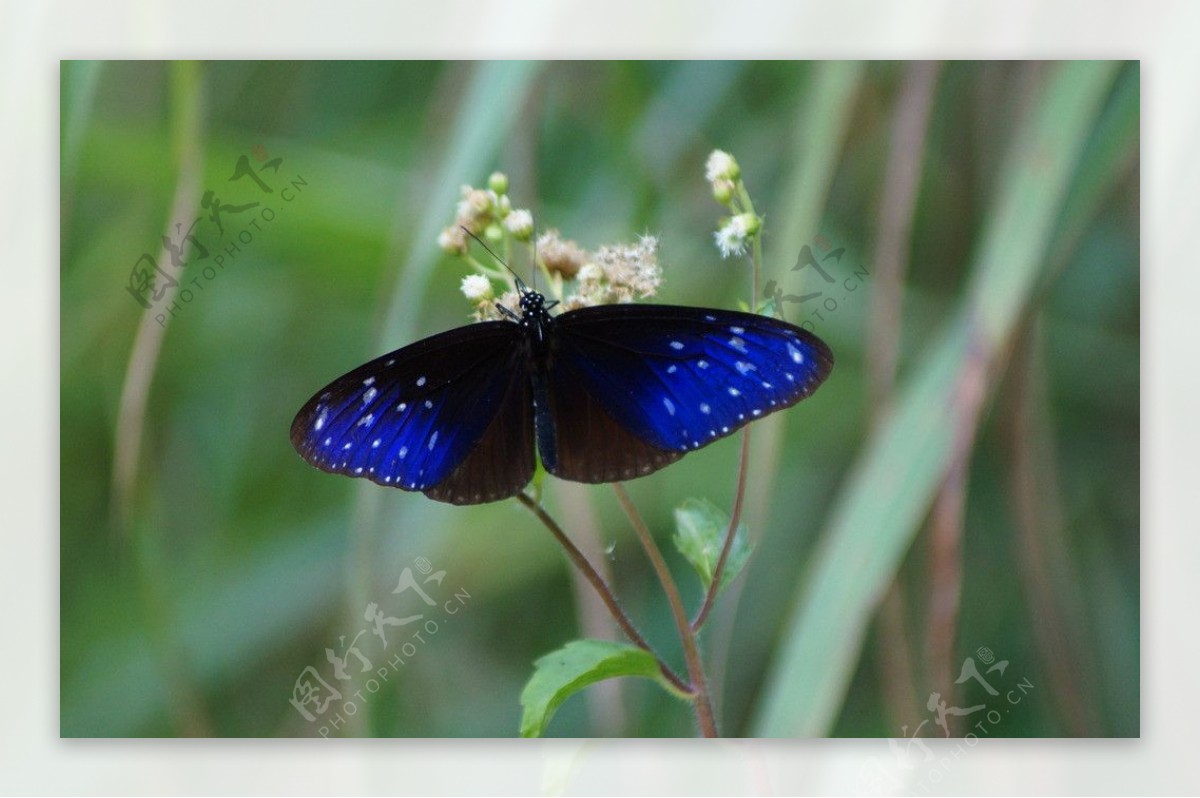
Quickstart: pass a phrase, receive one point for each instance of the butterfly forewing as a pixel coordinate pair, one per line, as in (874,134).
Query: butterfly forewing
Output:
(609,393)
(410,418)
(679,378)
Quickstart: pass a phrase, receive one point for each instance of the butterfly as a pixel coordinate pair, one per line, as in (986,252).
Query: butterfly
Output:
(608,393)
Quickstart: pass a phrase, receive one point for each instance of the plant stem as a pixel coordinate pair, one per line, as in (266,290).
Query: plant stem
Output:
(691,652)
(606,594)
(734,518)
(744,460)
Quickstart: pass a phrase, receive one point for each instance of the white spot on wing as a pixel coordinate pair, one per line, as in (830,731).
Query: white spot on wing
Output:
(365,420)
(400,408)
(375,443)
(433,440)
(676,345)
(734,391)
(368,382)
(704,408)
(745,368)
(369,395)
(702,364)
(321,420)
(671,369)
(420,381)
(737,330)
(403,452)
(667,403)
(738,344)
(797,357)
(428,404)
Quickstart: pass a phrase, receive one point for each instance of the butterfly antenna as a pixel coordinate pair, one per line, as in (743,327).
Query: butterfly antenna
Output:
(535,266)
(520,282)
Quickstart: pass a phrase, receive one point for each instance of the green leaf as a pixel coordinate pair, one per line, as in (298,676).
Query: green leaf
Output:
(573,667)
(699,535)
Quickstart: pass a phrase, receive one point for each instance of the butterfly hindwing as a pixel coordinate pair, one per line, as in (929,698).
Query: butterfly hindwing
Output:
(678,378)
(411,418)
(580,440)
(501,463)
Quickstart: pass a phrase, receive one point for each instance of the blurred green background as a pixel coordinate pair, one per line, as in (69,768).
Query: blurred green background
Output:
(986,497)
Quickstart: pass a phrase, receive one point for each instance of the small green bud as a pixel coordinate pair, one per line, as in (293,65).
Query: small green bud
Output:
(494,233)
(723,191)
(498,182)
(750,223)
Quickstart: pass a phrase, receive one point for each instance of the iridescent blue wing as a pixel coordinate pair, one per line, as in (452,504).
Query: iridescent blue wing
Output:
(450,415)
(672,378)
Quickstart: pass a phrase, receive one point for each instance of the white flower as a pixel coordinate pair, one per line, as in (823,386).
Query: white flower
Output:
(520,223)
(476,206)
(721,166)
(589,273)
(631,268)
(732,237)
(477,288)
(453,240)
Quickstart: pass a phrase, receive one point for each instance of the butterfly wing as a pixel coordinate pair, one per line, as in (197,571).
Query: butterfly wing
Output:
(673,378)
(433,417)
(579,439)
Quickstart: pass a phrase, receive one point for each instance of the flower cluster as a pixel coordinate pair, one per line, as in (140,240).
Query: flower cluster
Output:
(738,230)
(574,276)
(618,273)
(486,212)
(614,273)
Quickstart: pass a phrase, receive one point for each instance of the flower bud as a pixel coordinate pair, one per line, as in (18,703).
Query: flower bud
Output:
(453,241)
(721,166)
(723,191)
(520,224)
(476,288)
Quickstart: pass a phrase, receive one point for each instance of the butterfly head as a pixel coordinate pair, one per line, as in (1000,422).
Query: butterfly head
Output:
(534,309)
(535,313)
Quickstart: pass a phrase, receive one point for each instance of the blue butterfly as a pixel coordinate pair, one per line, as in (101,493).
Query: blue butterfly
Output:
(609,393)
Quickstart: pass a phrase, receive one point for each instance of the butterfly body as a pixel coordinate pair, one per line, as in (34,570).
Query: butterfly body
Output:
(607,393)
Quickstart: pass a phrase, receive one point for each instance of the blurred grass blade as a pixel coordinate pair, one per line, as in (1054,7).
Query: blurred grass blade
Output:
(822,126)
(888,493)
(489,109)
(487,112)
